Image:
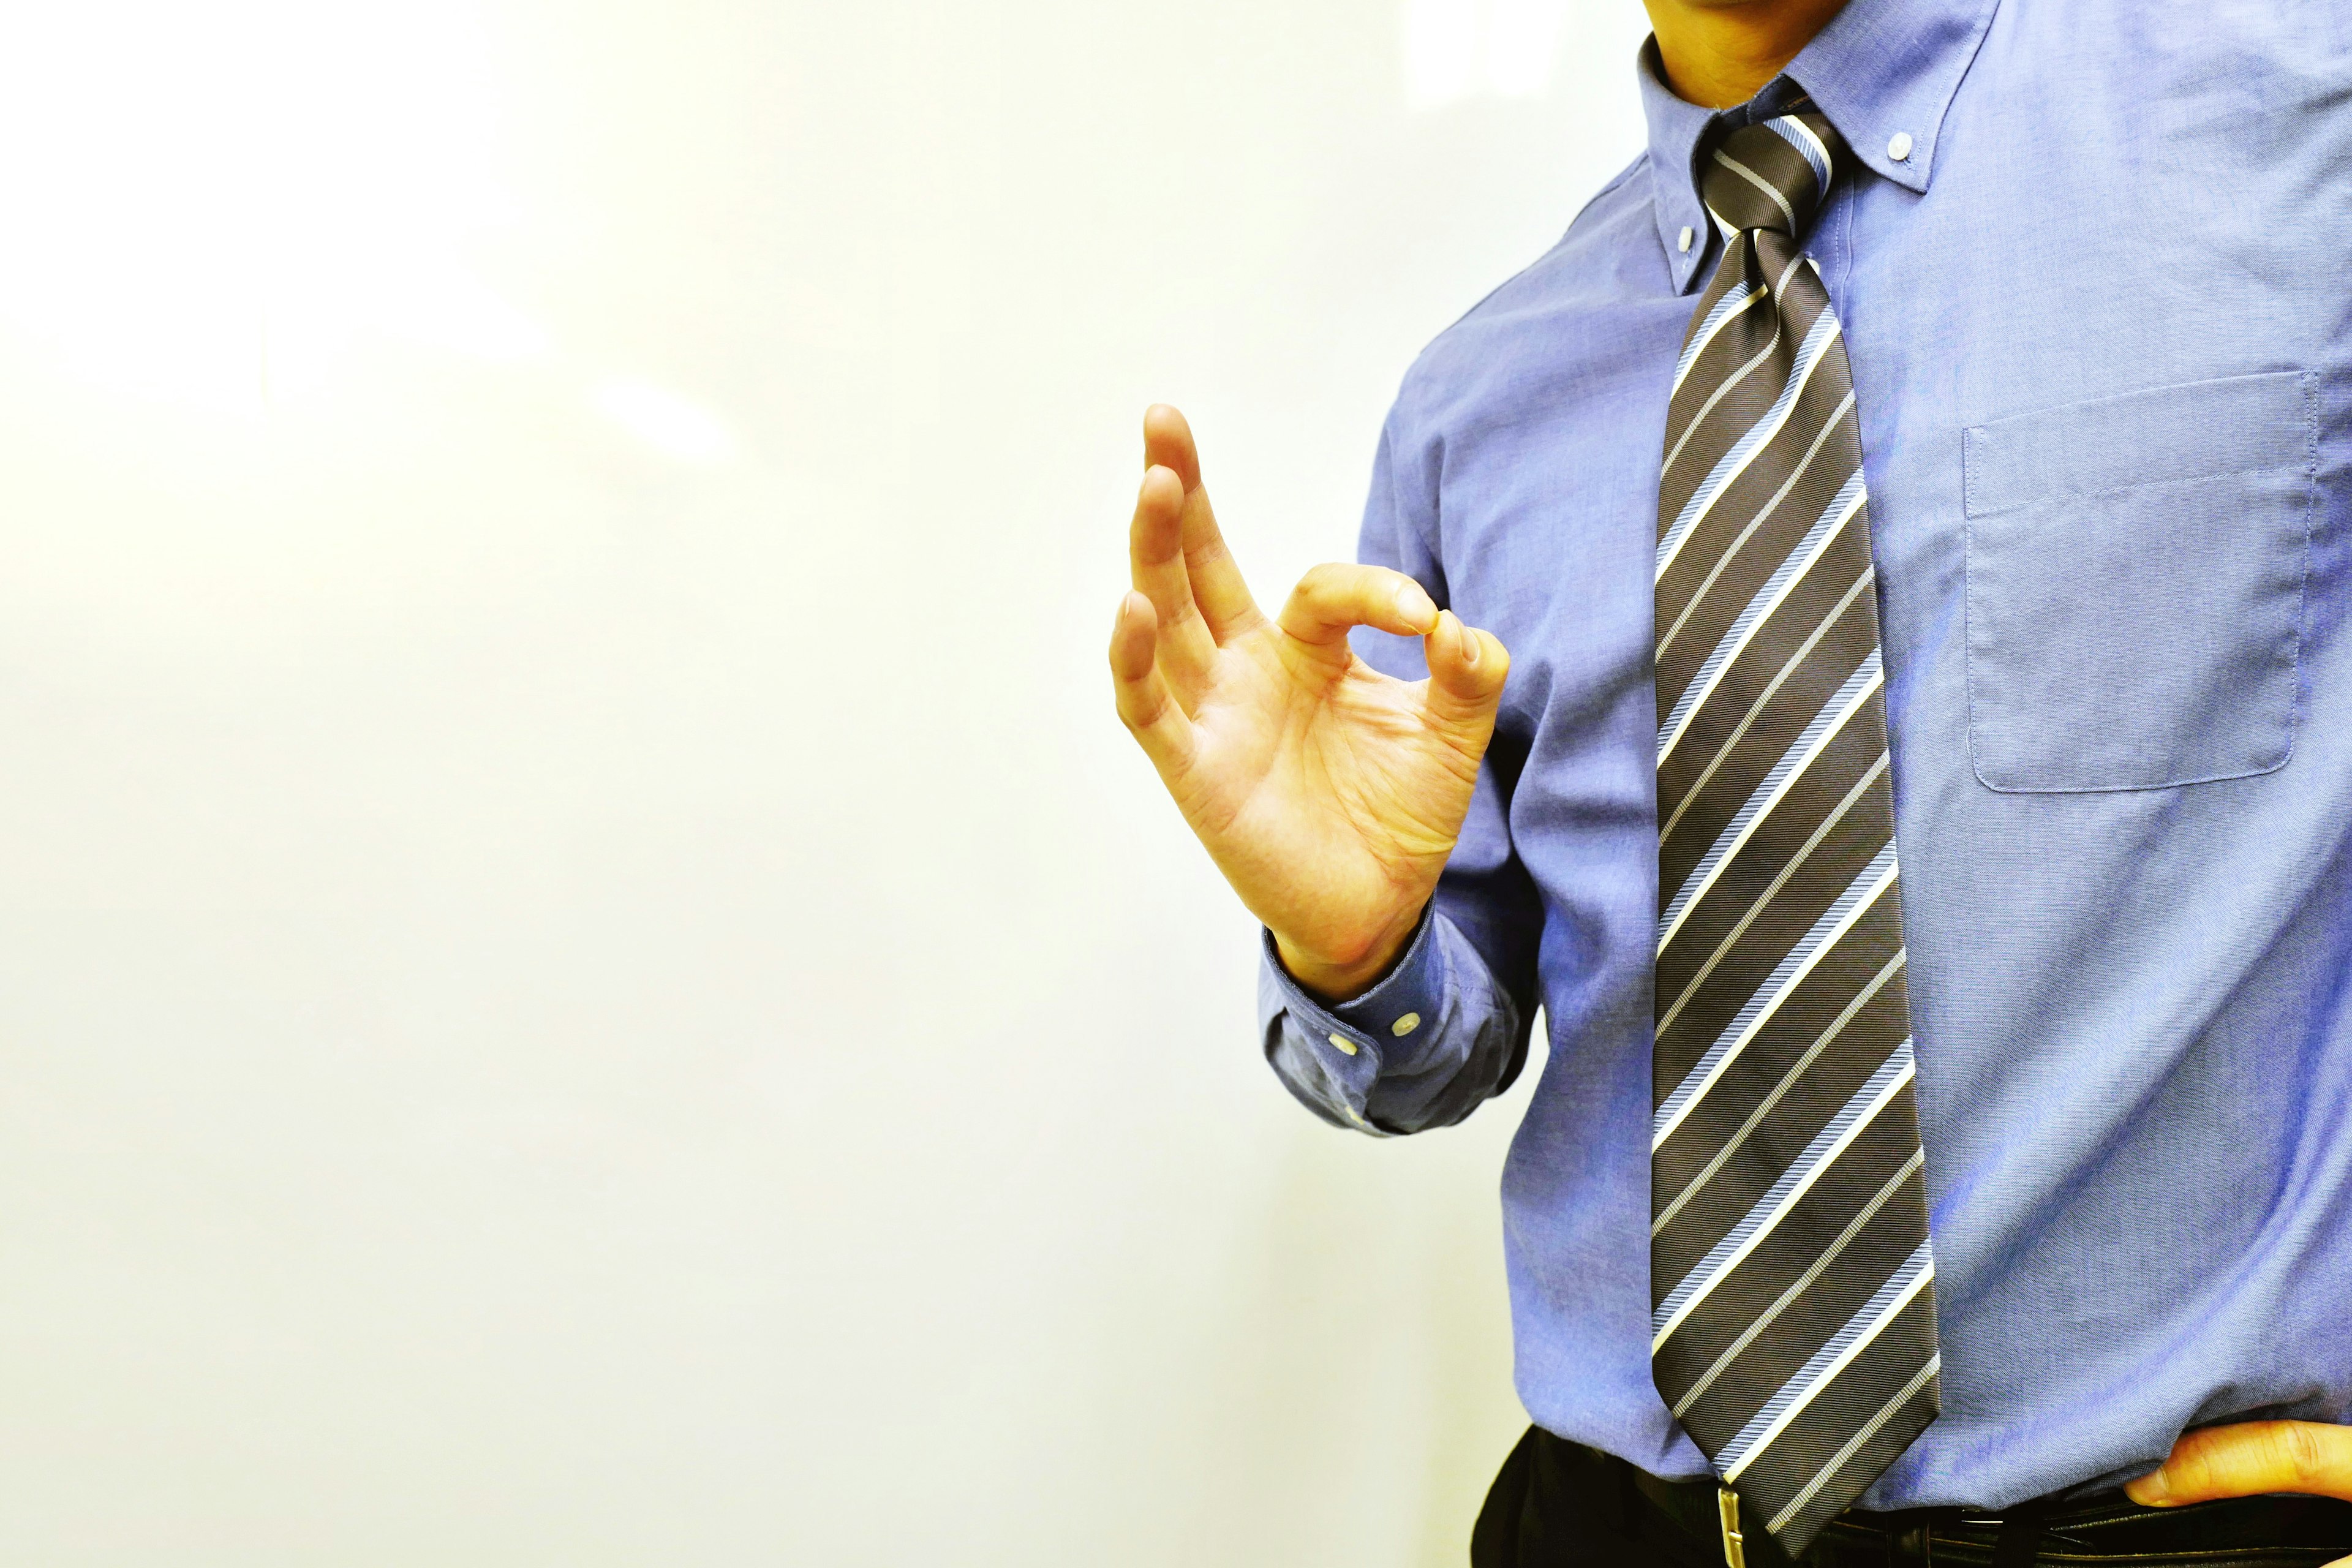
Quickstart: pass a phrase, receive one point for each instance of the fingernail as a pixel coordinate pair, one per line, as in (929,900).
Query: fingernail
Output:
(2151,1490)
(1471,645)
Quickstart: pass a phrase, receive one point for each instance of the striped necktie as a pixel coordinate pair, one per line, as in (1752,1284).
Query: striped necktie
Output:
(1794,1329)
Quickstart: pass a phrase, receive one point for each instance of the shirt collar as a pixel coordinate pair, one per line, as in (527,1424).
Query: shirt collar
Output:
(1880,70)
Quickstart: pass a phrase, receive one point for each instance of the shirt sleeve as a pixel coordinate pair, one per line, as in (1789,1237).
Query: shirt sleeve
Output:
(1447,1028)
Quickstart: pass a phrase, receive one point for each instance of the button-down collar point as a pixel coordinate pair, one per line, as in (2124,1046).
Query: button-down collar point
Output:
(1347,1046)
(1898,146)
(1688,234)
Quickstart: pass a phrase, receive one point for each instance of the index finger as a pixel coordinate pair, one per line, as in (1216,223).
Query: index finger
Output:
(1337,597)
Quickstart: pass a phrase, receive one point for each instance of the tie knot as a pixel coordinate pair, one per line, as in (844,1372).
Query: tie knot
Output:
(1772,174)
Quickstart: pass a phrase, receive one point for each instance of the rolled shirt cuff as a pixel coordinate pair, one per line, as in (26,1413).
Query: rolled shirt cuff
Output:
(1383,1029)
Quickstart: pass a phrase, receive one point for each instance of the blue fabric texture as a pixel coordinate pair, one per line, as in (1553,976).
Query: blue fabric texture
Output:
(2100,322)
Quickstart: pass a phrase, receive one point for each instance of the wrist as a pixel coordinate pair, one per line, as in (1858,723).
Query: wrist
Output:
(1335,981)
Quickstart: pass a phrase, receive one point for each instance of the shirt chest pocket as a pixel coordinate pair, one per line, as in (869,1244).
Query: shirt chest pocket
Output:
(2135,585)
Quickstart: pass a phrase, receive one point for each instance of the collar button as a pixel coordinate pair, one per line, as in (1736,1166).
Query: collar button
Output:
(1898,146)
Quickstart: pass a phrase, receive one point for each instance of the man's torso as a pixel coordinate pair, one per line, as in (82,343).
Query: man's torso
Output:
(2104,365)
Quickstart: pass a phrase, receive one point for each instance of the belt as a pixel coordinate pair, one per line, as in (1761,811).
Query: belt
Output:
(2248,1530)
(1700,1509)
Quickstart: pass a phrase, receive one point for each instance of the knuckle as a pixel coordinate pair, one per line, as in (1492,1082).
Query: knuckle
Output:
(2191,1467)
(1207,553)
(1311,601)
(1323,580)
(2302,1454)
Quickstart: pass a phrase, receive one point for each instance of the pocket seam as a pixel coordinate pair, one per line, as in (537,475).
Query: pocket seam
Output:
(1970,498)
(2310,468)
(1977,461)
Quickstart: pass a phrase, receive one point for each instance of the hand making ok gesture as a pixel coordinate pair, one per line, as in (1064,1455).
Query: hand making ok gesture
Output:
(1330,794)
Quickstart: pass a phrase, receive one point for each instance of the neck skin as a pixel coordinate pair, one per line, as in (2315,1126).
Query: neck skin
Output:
(1717,53)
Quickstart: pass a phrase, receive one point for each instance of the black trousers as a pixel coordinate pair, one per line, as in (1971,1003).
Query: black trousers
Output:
(1558,1504)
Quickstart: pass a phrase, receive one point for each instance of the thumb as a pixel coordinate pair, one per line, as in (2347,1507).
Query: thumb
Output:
(2249,1460)
(1466,667)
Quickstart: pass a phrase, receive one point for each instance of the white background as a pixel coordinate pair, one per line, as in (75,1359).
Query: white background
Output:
(587,976)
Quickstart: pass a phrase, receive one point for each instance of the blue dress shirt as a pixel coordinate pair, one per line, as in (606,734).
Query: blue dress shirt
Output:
(2096,278)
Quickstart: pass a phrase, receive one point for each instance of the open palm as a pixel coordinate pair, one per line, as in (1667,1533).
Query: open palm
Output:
(1330,794)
